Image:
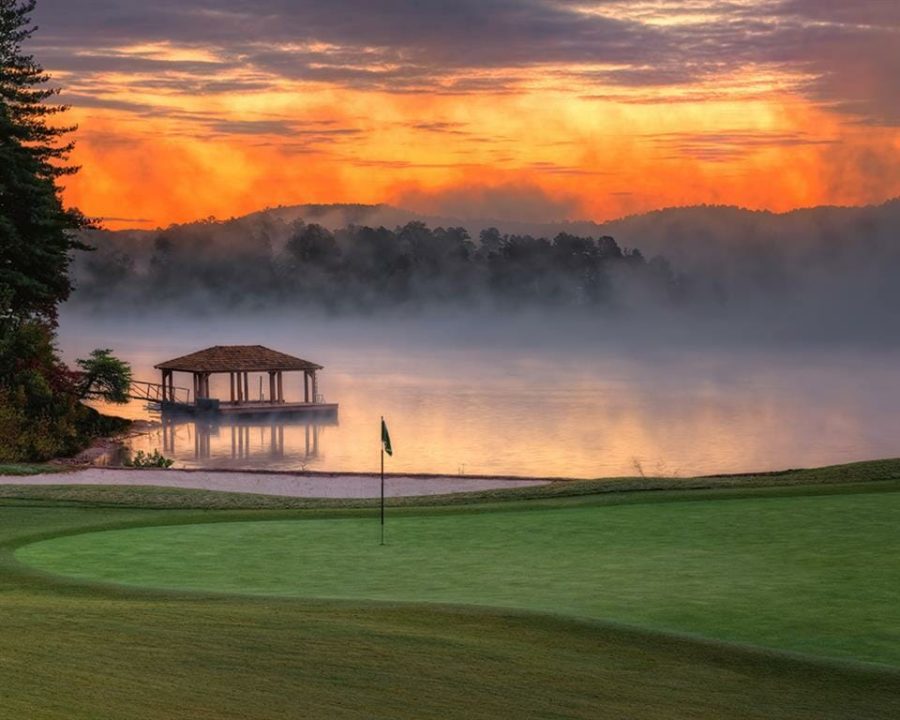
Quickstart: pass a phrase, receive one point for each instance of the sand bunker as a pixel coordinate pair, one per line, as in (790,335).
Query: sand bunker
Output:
(311,486)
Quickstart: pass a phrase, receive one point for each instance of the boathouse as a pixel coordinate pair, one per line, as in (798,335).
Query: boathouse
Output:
(238,362)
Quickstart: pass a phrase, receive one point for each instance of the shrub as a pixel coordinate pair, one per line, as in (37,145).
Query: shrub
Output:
(149,460)
(41,416)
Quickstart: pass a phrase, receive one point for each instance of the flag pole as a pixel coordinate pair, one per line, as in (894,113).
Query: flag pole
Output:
(382,480)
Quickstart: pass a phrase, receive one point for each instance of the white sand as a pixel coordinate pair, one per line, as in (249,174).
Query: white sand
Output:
(311,486)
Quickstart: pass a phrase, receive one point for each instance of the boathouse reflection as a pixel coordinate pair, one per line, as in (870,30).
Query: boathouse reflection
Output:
(242,439)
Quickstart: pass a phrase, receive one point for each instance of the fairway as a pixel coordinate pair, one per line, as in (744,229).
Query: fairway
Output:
(811,574)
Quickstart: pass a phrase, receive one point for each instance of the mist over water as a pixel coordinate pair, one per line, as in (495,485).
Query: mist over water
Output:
(522,394)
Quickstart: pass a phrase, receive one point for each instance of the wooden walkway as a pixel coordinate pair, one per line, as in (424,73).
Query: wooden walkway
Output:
(153,392)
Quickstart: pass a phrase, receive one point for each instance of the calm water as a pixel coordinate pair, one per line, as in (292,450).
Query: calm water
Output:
(507,400)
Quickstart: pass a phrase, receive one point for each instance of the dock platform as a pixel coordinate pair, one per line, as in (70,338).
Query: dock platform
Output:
(250,408)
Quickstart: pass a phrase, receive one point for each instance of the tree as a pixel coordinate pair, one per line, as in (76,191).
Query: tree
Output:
(105,376)
(40,413)
(36,229)
(312,245)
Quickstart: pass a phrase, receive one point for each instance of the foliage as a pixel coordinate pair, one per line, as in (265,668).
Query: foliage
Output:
(40,413)
(105,376)
(149,460)
(36,229)
(267,262)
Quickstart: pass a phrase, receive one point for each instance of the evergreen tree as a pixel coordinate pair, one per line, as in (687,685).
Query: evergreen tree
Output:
(40,413)
(36,229)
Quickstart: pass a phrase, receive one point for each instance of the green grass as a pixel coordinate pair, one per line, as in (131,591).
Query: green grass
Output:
(853,477)
(24,469)
(808,574)
(814,567)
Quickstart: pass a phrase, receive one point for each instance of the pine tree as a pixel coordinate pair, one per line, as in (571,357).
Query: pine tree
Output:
(37,231)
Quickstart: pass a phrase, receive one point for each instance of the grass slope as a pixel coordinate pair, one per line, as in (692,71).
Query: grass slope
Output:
(82,650)
(808,574)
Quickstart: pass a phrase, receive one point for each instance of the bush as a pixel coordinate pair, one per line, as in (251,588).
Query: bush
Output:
(151,460)
(41,416)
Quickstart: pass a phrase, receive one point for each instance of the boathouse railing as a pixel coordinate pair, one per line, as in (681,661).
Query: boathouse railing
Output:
(153,392)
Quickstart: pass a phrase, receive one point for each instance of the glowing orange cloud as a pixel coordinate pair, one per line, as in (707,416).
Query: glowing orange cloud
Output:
(180,158)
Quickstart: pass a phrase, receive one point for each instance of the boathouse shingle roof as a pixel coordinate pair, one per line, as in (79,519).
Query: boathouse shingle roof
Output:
(237,358)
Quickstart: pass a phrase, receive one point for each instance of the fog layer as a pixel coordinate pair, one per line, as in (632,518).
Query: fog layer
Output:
(826,273)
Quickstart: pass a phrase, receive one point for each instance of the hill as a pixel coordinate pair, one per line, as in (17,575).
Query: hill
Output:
(828,269)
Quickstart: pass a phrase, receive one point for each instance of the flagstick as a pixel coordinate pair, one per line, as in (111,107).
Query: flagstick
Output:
(382,483)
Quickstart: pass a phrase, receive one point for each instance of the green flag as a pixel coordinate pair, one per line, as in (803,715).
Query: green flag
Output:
(386,438)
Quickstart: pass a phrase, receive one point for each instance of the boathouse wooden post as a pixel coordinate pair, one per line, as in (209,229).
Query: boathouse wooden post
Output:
(315,387)
(280,387)
(306,386)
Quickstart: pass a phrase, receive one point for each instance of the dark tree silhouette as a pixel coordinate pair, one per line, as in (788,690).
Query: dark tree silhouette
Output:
(40,412)
(36,229)
(238,263)
(104,375)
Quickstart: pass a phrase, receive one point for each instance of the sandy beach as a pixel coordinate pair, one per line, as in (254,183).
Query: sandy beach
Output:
(285,484)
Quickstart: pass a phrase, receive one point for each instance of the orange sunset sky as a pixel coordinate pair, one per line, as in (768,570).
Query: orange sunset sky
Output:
(536,109)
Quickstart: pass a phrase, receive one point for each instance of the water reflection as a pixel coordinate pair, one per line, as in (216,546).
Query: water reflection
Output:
(256,441)
(482,409)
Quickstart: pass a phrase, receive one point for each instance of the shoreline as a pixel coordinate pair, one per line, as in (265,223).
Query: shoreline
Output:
(77,464)
(280,484)
(362,486)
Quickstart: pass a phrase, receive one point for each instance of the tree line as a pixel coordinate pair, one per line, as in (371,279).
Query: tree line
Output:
(248,262)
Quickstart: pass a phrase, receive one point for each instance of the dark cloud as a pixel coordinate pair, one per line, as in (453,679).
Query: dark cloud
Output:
(724,146)
(847,51)
(382,164)
(88,63)
(136,221)
(252,127)
(448,128)
(85,100)
(556,169)
(308,135)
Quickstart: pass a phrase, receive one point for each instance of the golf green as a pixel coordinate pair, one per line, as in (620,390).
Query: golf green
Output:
(813,574)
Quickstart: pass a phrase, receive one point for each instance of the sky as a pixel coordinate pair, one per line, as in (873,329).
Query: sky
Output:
(538,110)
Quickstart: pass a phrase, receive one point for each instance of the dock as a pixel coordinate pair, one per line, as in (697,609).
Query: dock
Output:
(250,408)
(238,362)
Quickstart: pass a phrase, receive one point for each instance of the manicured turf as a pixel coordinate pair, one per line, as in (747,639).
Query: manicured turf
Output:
(813,574)
(23,469)
(78,650)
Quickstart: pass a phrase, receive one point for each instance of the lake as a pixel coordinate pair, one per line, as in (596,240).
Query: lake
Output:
(523,396)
